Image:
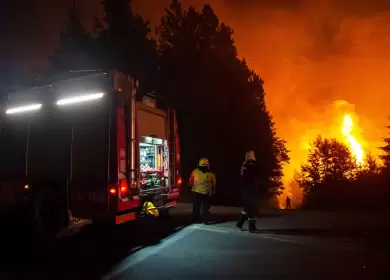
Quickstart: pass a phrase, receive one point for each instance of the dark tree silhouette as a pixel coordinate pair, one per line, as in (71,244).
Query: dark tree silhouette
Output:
(76,47)
(370,167)
(329,161)
(219,100)
(124,43)
(386,152)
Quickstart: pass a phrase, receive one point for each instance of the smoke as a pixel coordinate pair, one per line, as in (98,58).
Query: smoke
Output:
(319,60)
(312,53)
(309,53)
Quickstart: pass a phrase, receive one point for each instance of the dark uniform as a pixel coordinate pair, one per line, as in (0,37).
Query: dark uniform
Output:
(288,203)
(249,173)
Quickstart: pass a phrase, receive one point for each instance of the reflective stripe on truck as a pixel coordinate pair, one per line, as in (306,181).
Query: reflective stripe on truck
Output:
(125,199)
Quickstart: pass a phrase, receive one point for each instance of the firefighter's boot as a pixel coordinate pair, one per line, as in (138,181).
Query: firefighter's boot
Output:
(242,220)
(252,225)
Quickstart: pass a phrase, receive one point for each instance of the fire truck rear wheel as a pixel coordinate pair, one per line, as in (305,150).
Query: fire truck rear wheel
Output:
(48,215)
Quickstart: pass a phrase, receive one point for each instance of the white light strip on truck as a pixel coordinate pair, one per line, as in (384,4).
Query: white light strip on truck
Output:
(23,109)
(79,99)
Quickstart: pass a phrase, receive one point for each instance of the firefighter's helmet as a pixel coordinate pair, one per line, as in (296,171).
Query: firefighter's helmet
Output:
(151,209)
(250,155)
(204,162)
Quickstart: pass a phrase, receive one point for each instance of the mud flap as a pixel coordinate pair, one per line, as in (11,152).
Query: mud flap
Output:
(74,225)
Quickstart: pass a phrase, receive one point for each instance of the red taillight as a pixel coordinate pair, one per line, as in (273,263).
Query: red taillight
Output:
(113,191)
(179,181)
(123,187)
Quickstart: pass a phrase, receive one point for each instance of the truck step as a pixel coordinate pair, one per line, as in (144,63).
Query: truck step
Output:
(74,225)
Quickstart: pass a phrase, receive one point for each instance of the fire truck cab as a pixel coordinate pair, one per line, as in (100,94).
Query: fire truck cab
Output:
(82,149)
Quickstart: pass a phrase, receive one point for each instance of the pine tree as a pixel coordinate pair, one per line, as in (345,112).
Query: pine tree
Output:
(386,152)
(219,99)
(124,43)
(76,47)
(329,161)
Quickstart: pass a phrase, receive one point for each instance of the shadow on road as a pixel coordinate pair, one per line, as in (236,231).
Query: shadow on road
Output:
(330,232)
(91,253)
(221,218)
(88,255)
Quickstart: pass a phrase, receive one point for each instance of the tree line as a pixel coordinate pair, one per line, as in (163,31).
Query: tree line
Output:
(192,64)
(332,178)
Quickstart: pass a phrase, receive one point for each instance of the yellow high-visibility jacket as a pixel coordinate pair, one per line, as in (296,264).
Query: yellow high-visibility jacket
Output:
(203,183)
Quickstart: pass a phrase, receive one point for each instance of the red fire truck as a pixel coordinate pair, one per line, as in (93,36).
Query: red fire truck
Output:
(81,149)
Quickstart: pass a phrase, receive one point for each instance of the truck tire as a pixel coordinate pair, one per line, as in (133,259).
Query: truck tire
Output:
(47,215)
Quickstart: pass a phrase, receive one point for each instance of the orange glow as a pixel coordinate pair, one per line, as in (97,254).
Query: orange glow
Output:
(26,187)
(113,191)
(125,218)
(354,145)
(339,120)
(310,55)
(179,182)
(172,203)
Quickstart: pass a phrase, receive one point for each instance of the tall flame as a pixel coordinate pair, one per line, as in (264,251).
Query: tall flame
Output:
(354,145)
(342,123)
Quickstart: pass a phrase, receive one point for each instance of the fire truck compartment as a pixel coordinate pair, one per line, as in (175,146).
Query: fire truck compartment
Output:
(63,146)
(153,149)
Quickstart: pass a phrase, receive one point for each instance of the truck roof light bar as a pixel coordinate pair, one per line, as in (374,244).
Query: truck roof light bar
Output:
(80,99)
(24,109)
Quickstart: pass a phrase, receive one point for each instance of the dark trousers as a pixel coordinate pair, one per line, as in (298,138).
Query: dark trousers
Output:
(249,211)
(200,207)
(250,205)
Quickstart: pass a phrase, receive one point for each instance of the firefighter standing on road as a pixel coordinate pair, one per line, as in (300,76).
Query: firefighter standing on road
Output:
(288,203)
(249,191)
(202,183)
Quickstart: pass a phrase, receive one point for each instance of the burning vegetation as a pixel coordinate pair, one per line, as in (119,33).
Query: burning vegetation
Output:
(355,147)
(340,167)
(309,53)
(333,146)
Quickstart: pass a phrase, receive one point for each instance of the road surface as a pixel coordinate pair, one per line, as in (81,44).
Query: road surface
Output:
(288,245)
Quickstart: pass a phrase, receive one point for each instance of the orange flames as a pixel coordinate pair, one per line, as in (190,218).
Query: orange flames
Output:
(350,140)
(339,121)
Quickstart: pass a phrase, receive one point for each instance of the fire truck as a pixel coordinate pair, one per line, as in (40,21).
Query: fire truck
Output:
(81,149)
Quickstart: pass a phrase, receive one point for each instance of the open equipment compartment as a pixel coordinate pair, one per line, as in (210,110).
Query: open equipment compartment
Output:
(153,163)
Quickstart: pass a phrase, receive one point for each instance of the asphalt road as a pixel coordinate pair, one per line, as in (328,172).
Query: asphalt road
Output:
(288,245)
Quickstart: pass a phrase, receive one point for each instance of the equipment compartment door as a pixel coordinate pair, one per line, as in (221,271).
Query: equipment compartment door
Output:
(90,161)
(174,155)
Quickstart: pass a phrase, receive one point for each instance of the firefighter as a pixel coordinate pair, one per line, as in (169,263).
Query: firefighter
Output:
(249,191)
(202,183)
(288,203)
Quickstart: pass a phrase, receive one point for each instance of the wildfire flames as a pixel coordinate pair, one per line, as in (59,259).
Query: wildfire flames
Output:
(350,140)
(340,122)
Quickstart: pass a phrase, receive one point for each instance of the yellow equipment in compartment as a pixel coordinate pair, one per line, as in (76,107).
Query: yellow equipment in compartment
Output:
(151,209)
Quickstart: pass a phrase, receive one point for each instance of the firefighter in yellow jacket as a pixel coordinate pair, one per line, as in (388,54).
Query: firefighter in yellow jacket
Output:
(202,183)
